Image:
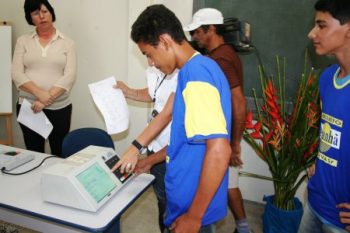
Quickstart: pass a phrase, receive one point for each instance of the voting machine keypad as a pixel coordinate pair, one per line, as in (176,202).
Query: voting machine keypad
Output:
(121,176)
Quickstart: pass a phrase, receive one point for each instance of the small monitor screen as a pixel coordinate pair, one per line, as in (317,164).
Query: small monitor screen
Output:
(96,182)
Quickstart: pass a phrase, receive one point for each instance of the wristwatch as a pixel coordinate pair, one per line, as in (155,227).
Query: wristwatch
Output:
(139,147)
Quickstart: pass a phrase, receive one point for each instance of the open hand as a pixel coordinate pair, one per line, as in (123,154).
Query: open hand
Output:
(128,161)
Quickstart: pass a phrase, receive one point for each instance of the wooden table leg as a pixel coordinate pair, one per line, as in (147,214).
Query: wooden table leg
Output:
(9,134)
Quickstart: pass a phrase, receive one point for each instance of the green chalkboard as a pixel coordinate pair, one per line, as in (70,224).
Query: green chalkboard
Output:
(278,27)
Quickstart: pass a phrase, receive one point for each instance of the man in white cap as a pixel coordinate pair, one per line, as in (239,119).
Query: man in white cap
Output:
(207,30)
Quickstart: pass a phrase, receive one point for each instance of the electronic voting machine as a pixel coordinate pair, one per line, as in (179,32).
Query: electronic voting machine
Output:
(83,180)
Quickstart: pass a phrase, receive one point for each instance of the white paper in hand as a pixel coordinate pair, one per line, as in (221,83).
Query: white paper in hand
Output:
(112,104)
(37,122)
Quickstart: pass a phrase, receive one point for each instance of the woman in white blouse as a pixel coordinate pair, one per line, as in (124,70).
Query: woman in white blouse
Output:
(44,71)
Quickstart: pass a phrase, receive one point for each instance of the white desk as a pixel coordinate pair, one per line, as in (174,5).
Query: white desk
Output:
(21,203)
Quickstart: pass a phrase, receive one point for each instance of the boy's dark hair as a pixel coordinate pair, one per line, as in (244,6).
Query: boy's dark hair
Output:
(154,21)
(339,9)
(33,5)
(219,28)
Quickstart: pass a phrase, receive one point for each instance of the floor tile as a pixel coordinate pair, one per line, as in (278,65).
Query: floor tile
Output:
(141,217)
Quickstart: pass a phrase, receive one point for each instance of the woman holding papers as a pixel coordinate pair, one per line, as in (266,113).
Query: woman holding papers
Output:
(44,70)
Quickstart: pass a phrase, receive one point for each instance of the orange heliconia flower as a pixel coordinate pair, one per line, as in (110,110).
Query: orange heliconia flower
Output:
(286,134)
(311,150)
(256,134)
(271,100)
(249,121)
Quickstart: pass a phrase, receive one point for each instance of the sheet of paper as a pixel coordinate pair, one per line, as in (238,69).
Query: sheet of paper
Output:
(37,122)
(112,104)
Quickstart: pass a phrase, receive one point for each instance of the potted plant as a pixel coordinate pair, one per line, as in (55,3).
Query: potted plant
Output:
(287,140)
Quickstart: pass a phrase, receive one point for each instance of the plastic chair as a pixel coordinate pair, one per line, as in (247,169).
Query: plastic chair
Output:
(78,139)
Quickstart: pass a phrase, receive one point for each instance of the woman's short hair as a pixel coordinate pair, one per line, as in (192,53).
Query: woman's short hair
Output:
(33,5)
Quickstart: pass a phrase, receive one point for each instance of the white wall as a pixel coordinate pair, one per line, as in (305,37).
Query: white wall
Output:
(97,30)
(252,188)
(101,31)
(137,62)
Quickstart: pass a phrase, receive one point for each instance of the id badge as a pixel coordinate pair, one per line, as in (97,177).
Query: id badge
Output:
(154,113)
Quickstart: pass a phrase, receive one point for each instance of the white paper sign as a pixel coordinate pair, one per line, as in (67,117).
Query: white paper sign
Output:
(112,104)
(37,122)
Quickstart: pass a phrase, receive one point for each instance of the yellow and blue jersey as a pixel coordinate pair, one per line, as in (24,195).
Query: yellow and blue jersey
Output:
(331,183)
(201,111)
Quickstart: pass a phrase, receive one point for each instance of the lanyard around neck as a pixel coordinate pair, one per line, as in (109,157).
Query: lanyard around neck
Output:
(157,87)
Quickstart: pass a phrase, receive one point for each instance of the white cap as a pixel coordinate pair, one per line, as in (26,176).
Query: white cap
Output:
(205,16)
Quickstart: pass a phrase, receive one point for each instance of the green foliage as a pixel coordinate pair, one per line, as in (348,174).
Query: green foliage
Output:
(286,140)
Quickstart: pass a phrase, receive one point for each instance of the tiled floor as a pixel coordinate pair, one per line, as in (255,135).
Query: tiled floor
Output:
(11,228)
(141,217)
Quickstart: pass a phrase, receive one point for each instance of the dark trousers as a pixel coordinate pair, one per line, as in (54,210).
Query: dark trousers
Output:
(158,170)
(60,119)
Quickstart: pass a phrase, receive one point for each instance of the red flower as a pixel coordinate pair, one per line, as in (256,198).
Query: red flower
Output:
(257,126)
(269,135)
(274,115)
(256,135)
(289,139)
(272,104)
(270,90)
(249,121)
(310,151)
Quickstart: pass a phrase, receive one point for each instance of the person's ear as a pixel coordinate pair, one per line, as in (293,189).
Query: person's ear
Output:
(212,29)
(348,29)
(165,40)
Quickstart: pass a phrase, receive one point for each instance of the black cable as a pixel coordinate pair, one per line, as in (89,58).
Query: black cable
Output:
(3,170)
